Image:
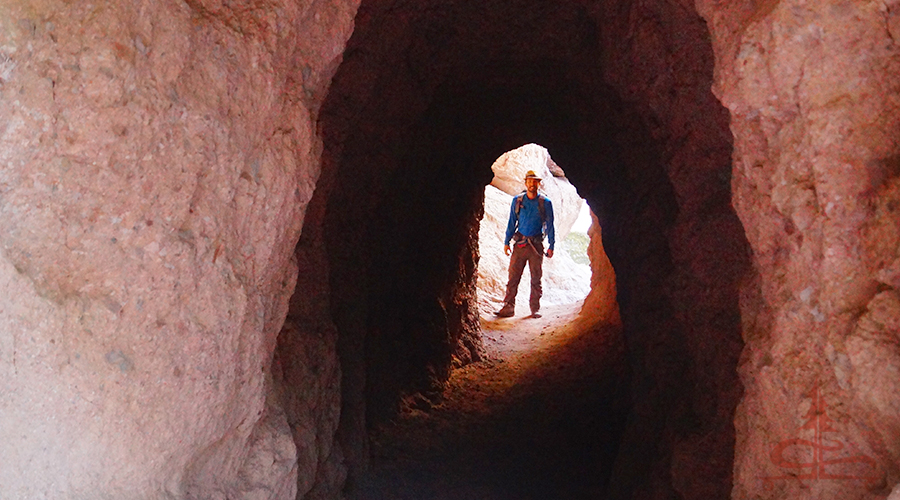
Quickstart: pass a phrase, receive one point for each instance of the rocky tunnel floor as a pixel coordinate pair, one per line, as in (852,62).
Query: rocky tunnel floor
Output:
(538,418)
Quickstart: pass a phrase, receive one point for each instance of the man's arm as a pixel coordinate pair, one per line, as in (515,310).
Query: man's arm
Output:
(551,231)
(510,226)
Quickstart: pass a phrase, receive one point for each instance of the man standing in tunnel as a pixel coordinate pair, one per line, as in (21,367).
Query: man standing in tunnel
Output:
(530,218)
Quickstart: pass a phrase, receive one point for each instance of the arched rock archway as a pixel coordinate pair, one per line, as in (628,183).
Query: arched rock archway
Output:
(426,97)
(158,160)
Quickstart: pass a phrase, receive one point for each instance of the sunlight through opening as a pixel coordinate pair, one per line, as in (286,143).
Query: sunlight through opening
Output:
(567,275)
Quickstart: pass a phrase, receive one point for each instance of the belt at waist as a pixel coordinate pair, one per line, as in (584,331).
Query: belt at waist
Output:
(535,238)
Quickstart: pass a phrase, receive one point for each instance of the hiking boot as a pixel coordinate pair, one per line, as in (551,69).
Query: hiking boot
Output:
(507,310)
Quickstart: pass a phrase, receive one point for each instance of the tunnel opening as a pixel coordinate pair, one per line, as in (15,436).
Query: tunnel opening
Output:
(566,277)
(159,159)
(427,94)
(520,408)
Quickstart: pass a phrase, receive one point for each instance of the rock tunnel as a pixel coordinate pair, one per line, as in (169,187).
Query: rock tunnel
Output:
(409,156)
(236,234)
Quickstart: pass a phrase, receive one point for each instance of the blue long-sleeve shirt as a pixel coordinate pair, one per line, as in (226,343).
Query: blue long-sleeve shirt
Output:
(529,220)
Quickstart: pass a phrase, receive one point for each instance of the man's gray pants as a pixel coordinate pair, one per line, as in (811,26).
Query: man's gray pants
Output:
(534,257)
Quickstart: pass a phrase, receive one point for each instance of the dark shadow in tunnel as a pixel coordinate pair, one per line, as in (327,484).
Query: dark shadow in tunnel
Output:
(427,96)
(553,435)
(416,225)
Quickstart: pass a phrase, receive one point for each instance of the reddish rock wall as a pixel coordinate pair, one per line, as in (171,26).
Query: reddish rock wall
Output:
(813,97)
(600,305)
(681,315)
(156,159)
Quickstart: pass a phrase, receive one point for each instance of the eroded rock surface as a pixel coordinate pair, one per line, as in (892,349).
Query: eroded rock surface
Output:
(431,93)
(156,159)
(814,108)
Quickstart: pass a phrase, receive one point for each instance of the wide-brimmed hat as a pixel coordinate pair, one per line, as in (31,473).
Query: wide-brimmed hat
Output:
(531,175)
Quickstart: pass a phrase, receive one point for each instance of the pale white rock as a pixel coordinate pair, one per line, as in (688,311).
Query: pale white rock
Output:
(509,177)
(895,493)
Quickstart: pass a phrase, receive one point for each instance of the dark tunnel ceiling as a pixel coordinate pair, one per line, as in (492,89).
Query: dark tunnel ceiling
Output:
(428,95)
(475,79)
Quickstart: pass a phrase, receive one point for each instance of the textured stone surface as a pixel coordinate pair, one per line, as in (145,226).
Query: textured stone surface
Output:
(156,159)
(308,385)
(814,104)
(600,303)
(680,259)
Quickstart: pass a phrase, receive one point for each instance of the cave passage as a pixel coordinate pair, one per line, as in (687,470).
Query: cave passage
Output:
(426,97)
(540,413)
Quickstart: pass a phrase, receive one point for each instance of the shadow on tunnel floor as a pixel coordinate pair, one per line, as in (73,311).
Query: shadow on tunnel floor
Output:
(542,424)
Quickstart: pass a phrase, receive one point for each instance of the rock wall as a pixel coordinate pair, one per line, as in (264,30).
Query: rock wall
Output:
(600,305)
(156,159)
(814,103)
(399,235)
(679,259)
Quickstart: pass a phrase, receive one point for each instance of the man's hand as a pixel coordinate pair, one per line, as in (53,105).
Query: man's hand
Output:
(550,253)
(506,249)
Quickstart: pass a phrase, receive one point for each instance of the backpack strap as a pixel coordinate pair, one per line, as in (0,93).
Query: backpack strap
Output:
(520,199)
(541,208)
